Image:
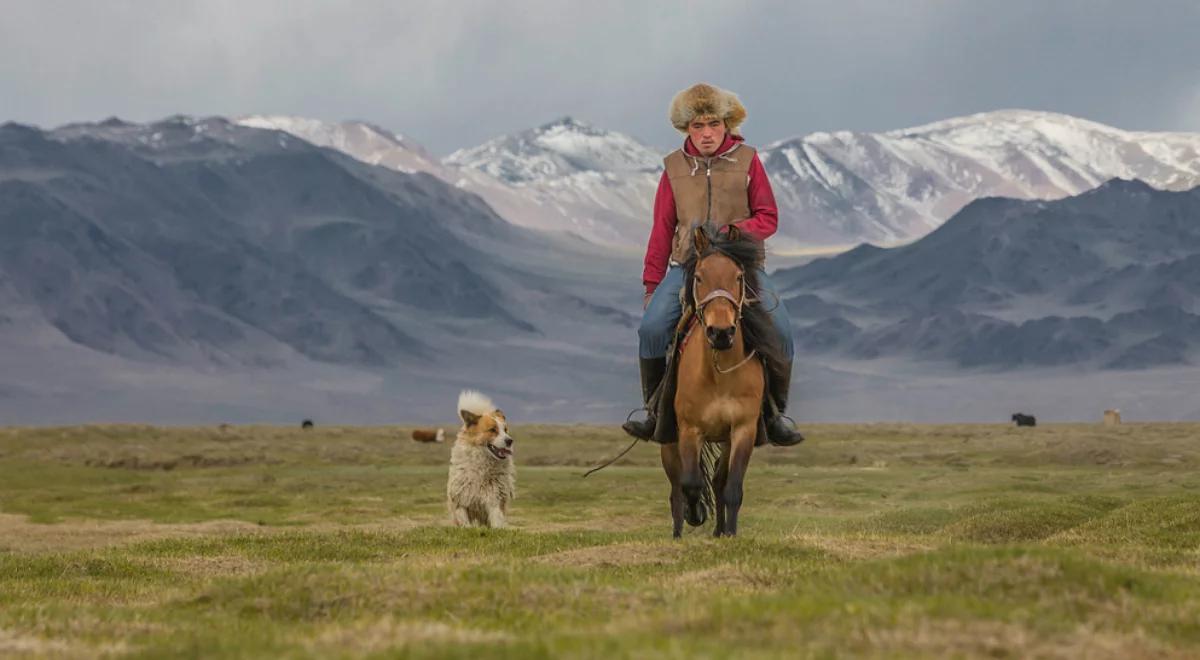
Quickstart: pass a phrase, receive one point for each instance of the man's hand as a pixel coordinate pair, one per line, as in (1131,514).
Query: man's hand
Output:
(646,300)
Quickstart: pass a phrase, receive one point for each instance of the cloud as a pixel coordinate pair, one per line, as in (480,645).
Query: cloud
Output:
(453,74)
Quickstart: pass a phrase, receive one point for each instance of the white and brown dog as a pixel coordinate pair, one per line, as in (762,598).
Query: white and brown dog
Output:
(483,479)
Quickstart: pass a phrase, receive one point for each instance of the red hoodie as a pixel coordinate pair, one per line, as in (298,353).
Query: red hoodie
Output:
(763,220)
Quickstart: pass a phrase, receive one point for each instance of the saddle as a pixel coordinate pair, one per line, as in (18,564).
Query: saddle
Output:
(662,401)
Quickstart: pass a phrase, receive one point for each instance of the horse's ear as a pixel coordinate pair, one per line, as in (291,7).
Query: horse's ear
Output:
(700,238)
(733,232)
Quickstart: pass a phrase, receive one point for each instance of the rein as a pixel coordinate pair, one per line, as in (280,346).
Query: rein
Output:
(717,294)
(614,459)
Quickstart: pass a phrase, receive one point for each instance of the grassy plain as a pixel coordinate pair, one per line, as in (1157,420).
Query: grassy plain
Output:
(869,540)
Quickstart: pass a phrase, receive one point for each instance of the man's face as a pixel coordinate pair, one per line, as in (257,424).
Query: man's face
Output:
(707,134)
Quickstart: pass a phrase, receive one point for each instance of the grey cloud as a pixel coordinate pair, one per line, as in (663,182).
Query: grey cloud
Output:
(453,74)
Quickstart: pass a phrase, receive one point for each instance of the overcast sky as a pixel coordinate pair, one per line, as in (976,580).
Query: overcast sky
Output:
(453,74)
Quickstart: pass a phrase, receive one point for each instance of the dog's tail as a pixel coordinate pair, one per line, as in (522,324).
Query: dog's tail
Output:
(428,435)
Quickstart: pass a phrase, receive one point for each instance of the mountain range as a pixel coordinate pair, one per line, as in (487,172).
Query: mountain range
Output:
(565,176)
(274,268)
(833,188)
(203,245)
(1109,278)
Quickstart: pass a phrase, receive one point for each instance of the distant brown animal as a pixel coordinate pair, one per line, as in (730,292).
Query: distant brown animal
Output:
(1112,417)
(306,424)
(428,435)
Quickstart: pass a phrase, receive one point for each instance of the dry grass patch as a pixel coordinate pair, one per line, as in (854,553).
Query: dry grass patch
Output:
(858,547)
(19,535)
(724,577)
(995,639)
(388,633)
(617,554)
(212,566)
(12,642)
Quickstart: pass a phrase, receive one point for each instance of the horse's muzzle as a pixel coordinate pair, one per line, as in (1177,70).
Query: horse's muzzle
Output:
(720,339)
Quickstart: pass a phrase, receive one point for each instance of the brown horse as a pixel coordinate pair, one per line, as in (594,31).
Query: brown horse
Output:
(719,394)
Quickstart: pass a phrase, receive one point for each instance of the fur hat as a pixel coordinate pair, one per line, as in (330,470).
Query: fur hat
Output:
(704,99)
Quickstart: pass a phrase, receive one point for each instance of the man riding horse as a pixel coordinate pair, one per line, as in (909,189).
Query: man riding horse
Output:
(714,179)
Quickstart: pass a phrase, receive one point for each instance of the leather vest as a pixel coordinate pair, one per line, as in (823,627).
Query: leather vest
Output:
(707,190)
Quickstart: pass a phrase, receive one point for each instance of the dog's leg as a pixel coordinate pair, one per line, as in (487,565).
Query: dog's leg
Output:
(460,517)
(496,517)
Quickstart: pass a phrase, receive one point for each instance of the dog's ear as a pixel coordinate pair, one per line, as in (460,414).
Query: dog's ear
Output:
(499,413)
(469,418)
(700,239)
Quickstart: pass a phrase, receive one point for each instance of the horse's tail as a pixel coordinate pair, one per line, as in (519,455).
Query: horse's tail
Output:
(710,453)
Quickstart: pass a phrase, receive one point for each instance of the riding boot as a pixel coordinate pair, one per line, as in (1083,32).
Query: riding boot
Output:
(775,400)
(652,370)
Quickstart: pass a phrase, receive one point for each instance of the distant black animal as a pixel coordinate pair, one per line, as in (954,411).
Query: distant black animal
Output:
(1024,420)
(306,424)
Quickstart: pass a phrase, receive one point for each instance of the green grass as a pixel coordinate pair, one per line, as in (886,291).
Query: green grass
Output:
(869,540)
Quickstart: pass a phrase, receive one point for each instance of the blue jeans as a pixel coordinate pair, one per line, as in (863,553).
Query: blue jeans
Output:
(664,310)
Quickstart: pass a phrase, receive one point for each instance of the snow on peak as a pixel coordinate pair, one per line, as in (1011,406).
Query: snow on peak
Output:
(599,185)
(898,185)
(996,119)
(364,141)
(561,148)
(567,122)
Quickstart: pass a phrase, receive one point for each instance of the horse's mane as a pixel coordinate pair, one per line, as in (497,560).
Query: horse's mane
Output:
(757,329)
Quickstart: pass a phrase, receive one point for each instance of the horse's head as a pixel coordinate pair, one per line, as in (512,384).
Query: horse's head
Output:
(718,290)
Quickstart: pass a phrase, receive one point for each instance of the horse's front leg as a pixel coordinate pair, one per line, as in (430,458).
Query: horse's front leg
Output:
(691,479)
(741,445)
(719,479)
(671,465)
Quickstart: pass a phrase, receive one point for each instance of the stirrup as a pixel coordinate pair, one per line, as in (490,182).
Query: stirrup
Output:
(629,425)
(795,432)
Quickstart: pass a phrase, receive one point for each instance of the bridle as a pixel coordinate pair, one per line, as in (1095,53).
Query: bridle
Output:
(717,294)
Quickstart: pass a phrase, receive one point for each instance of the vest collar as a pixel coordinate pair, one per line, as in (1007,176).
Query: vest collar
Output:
(731,142)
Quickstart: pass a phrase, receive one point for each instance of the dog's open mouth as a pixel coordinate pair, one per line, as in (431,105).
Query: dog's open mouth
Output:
(499,452)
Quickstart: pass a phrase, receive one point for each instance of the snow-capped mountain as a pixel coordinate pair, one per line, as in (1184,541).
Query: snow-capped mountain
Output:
(1109,278)
(557,150)
(565,176)
(595,183)
(849,187)
(149,268)
(832,188)
(364,141)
